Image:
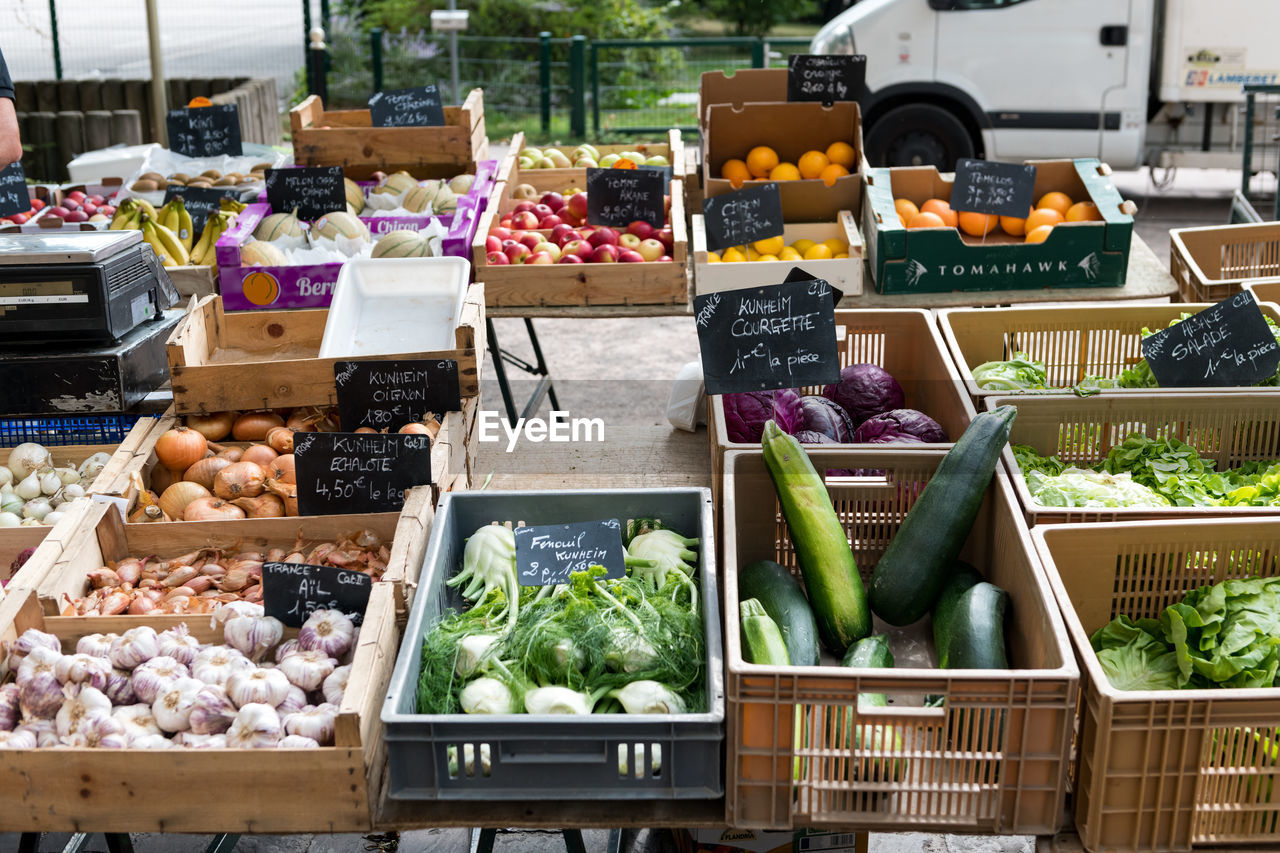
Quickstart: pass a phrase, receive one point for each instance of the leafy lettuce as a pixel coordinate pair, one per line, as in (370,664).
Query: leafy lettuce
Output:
(1019,373)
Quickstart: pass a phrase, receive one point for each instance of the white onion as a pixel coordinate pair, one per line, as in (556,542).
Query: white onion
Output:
(6,477)
(37,508)
(8,519)
(27,458)
(93,466)
(50,483)
(68,476)
(28,487)
(71,491)
(53,517)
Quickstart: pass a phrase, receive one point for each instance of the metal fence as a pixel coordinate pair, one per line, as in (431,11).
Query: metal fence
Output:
(1259,198)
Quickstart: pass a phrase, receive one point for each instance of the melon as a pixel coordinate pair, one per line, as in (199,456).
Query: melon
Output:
(419,199)
(340,223)
(400,182)
(446,201)
(279,225)
(355,195)
(402,244)
(461,184)
(260,253)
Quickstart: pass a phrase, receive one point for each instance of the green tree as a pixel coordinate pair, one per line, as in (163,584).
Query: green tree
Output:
(758,17)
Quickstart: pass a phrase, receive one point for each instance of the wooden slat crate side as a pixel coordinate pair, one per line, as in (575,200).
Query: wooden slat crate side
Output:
(49,543)
(132,456)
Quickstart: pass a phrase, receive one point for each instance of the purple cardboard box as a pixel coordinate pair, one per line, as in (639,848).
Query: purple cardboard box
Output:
(247,288)
(461,224)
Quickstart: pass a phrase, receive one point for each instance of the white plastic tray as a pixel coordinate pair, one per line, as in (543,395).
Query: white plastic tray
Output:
(386,306)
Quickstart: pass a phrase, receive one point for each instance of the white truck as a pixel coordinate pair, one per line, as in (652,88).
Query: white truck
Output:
(1132,82)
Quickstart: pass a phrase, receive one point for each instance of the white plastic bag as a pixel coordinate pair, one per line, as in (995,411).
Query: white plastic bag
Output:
(687,406)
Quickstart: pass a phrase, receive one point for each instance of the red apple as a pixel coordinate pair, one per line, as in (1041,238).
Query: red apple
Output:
(569,218)
(539,258)
(542,211)
(505,222)
(605,253)
(651,249)
(521,207)
(627,240)
(549,222)
(581,248)
(628,256)
(666,237)
(559,233)
(529,239)
(492,243)
(97,199)
(548,249)
(501,232)
(666,259)
(77,216)
(107,210)
(89,208)
(577,205)
(553,200)
(76,195)
(603,236)
(641,229)
(71,204)
(37,204)
(19,219)
(517,252)
(497,259)
(570,259)
(525,220)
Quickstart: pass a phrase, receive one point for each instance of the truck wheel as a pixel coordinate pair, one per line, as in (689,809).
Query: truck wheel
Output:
(918,135)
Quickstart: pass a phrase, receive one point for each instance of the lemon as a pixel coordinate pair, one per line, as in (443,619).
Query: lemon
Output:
(841,255)
(713,257)
(771,246)
(752,254)
(836,246)
(818,252)
(789,253)
(766,258)
(803,245)
(732,256)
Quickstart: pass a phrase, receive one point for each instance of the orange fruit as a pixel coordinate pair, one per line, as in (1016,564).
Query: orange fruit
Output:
(832,173)
(1060,202)
(942,210)
(906,207)
(761,160)
(977,224)
(926,219)
(200,101)
(735,172)
(1042,216)
(785,172)
(903,219)
(1014,226)
(812,163)
(1084,211)
(1039,235)
(842,153)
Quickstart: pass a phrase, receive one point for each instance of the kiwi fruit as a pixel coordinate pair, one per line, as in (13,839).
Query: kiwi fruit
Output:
(261,167)
(154,177)
(145,185)
(212,173)
(183,177)
(200,182)
(226,181)
(176,183)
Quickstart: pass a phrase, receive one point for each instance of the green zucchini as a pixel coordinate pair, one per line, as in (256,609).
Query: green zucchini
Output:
(963,576)
(873,653)
(783,599)
(907,580)
(822,549)
(761,639)
(977,629)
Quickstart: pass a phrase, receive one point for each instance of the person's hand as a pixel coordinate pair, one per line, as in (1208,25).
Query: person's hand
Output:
(10,143)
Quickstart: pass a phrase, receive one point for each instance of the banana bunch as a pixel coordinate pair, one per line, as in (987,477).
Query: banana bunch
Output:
(129,213)
(174,216)
(165,242)
(213,227)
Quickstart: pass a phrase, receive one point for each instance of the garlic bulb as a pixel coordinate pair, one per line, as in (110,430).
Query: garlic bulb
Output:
(336,684)
(288,647)
(155,676)
(137,720)
(295,700)
(119,688)
(256,726)
(39,691)
(253,636)
(134,646)
(98,730)
(297,742)
(30,639)
(234,610)
(81,702)
(172,709)
(195,741)
(152,741)
(20,739)
(316,723)
(10,713)
(213,711)
(328,631)
(44,731)
(178,644)
(83,669)
(216,665)
(97,645)
(307,670)
(258,686)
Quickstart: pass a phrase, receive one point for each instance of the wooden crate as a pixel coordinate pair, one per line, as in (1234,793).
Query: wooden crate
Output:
(673,149)
(347,138)
(221,361)
(649,283)
(844,274)
(330,789)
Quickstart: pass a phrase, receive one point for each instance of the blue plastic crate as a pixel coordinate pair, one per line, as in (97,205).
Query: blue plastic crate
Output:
(59,432)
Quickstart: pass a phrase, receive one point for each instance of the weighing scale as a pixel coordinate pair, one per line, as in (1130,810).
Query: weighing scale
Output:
(79,286)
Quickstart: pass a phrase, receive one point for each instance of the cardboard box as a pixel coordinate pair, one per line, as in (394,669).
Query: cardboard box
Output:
(844,274)
(791,129)
(743,86)
(940,260)
(462,224)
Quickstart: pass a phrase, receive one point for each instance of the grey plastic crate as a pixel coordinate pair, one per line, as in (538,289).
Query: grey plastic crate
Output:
(554,757)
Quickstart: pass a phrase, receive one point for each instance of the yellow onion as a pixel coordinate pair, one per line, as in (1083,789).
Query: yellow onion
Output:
(280,439)
(253,426)
(288,492)
(232,453)
(203,471)
(180,448)
(215,426)
(175,499)
(211,509)
(282,468)
(258,454)
(239,480)
(266,505)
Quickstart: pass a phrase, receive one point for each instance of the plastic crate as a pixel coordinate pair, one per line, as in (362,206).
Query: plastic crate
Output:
(549,757)
(905,342)
(1264,291)
(1170,769)
(1093,339)
(1227,428)
(992,759)
(59,432)
(1213,262)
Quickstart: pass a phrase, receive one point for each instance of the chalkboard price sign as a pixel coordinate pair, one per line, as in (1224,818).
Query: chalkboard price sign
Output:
(417,107)
(342,472)
(549,553)
(199,201)
(984,186)
(313,190)
(618,197)
(1229,344)
(742,217)
(826,78)
(387,394)
(291,592)
(14,197)
(764,338)
(205,131)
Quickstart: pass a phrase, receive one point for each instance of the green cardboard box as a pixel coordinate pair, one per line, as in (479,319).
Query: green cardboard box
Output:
(940,260)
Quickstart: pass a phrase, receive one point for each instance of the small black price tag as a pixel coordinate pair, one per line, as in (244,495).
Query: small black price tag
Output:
(417,107)
(549,553)
(618,197)
(291,592)
(765,338)
(343,472)
(205,131)
(826,78)
(1229,344)
(742,217)
(14,197)
(387,394)
(313,190)
(199,201)
(1003,189)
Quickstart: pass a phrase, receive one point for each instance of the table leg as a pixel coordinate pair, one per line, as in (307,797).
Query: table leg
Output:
(29,842)
(536,368)
(223,843)
(119,842)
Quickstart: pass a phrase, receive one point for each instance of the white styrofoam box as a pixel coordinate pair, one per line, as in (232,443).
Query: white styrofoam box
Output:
(118,161)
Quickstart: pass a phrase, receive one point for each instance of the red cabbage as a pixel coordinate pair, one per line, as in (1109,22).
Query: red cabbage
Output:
(826,416)
(809,436)
(900,426)
(865,390)
(745,413)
